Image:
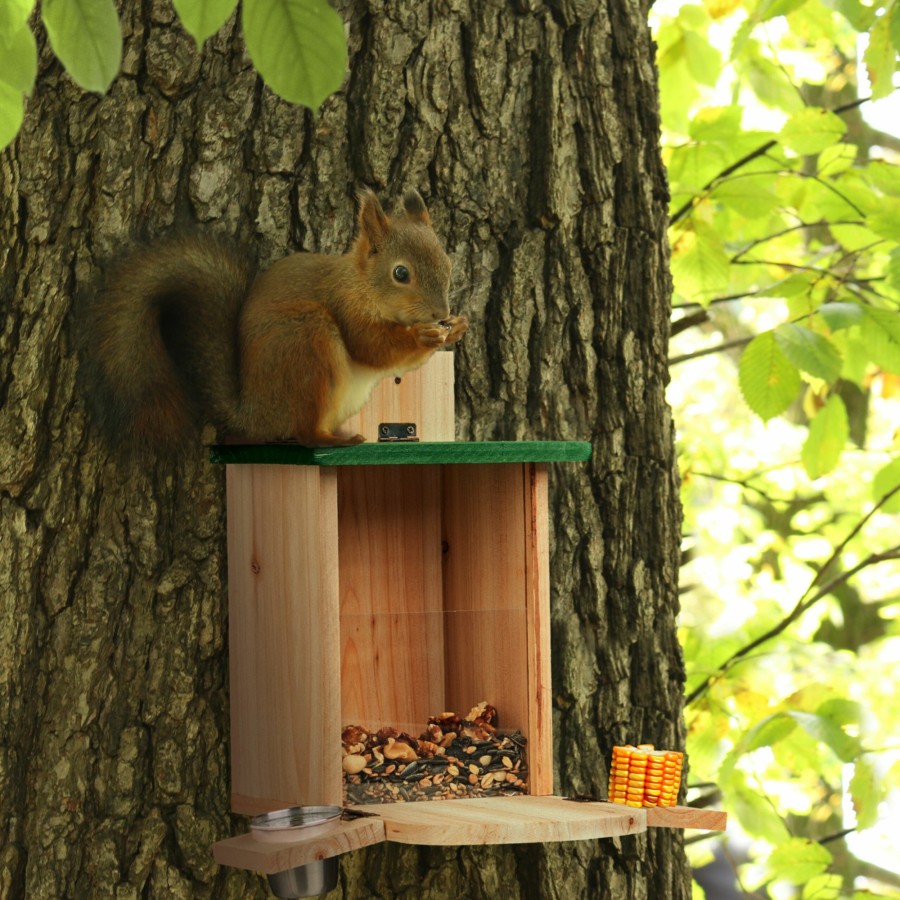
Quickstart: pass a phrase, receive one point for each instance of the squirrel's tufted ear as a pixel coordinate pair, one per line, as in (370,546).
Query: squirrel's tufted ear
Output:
(373,223)
(414,207)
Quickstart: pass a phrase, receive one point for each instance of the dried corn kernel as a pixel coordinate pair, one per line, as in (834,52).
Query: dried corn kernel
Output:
(642,776)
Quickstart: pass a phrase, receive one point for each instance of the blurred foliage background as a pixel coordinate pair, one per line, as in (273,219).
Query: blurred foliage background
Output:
(778,133)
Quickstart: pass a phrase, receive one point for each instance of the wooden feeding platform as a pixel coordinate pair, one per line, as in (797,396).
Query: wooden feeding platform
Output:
(377,585)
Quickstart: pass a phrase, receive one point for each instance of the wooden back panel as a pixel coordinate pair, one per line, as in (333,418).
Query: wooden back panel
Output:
(496,597)
(392,665)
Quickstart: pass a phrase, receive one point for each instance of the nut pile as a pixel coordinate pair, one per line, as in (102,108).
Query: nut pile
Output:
(454,757)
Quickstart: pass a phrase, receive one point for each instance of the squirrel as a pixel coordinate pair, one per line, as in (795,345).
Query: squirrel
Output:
(184,332)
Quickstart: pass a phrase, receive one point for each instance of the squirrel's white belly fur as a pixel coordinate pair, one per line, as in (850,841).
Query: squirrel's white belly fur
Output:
(358,386)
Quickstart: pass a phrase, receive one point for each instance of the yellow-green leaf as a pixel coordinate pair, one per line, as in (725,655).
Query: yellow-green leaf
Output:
(828,433)
(769,381)
(87,38)
(798,860)
(18,64)
(812,130)
(751,197)
(703,60)
(809,351)
(880,57)
(297,46)
(885,222)
(886,480)
(864,793)
(716,123)
(881,334)
(203,18)
(840,315)
(13,15)
(12,106)
(699,262)
(756,814)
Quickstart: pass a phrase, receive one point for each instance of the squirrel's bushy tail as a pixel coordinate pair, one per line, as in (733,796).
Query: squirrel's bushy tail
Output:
(161,340)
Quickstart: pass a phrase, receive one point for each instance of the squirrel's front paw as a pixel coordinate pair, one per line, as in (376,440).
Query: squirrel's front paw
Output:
(429,334)
(456,327)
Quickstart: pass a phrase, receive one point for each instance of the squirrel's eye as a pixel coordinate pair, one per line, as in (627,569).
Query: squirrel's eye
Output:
(401,274)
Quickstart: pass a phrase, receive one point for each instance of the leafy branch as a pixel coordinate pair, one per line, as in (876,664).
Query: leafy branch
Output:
(808,599)
(297,46)
(736,166)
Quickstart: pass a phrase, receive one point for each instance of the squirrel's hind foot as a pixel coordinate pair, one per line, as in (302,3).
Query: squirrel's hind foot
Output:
(328,439)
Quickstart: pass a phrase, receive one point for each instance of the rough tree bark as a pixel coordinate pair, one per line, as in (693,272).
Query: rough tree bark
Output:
(531,128)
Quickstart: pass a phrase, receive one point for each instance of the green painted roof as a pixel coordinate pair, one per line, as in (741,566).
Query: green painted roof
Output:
(401,453)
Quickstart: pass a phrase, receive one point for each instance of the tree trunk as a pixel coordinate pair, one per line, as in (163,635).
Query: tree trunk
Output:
(531,129)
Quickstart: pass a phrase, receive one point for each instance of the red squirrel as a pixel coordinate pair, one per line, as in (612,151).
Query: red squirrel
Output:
(184,333)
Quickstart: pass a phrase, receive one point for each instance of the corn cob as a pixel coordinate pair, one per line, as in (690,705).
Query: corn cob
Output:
(641,776)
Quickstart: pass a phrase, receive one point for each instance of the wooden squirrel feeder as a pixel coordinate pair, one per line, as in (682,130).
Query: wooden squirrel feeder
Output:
(380,584)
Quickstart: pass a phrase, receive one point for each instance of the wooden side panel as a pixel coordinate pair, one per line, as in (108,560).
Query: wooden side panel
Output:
(423,396)
(392,664)
(283,636)
(537,629)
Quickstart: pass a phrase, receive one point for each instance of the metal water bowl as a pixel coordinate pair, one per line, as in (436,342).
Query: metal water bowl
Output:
(285,825)
(311,880)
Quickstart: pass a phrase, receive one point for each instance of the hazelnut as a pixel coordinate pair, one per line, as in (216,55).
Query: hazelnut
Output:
(354,763)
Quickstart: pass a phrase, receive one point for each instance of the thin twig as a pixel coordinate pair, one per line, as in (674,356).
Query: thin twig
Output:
(803,604)
(745,160)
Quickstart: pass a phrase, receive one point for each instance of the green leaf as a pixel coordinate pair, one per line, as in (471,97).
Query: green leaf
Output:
(864,793)
(716,123)
(693,17)
(823,887)
(13,15)
(768,731)
(699,262)
(828,433)
(297,46)
(87,38)
(884,222)
(837,158)
(809,351)
(881,335)
(692,166)
(771,9)
(768,380)
(756,815)
(825,730)
(892,273)
(12,108)
(703,60)
(841,315)
(880,57)
(751,197)
(812,130)
(884,175)
(885,481)
(798,860)
(859,16)
(203,18)
(768,81)
(895,27)
(18,64)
